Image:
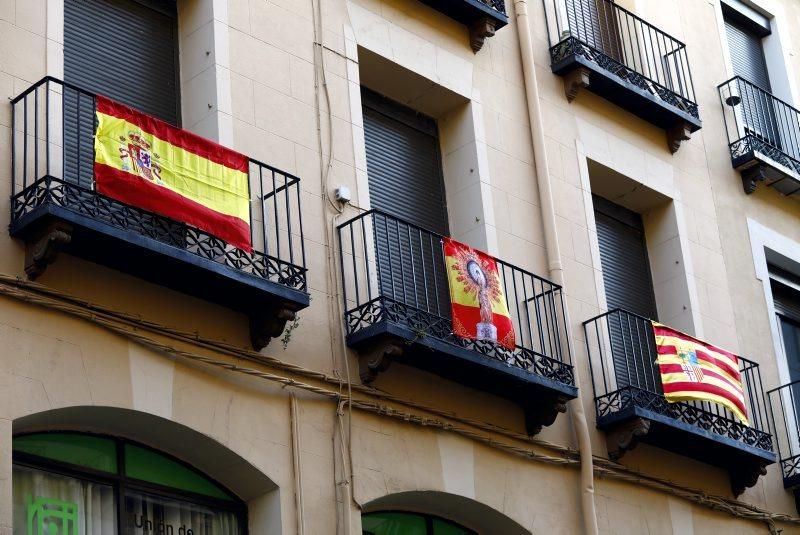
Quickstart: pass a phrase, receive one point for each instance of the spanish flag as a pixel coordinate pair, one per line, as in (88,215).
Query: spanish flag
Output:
(145,162)
(694,370)
(479,307)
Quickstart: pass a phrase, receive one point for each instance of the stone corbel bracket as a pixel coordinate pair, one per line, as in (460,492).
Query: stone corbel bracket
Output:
(43,249)
(376,359)
(543,412)
(576,80)
(479,31)
(627,435)
(752,176)
(270,324)
(678,134)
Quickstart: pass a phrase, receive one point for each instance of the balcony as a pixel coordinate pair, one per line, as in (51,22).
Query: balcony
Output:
(482,17)
(600,46)
(397,304)
(763,136)
(784,403)
(631,406)
(55,208)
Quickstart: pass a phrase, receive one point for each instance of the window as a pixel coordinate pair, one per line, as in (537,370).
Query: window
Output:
(405,181)
(623,256)
(402,523)
(628,286)
(404,163)
(126,50)
(70,483)
(745,42)
(595,23)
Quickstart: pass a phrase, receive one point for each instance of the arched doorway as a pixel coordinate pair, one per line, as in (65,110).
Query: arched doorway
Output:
(434,513)
(409,523)
(131,470)
(71,483)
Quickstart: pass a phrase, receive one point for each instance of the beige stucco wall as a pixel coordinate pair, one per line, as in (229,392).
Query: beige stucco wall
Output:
(247,77)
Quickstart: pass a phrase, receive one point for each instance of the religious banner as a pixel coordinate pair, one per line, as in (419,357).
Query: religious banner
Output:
(145,162)
(478,302)
(695,370)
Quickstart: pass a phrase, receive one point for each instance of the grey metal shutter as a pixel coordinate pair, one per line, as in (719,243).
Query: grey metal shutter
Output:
(786,299)
(126,50)
(123,49)
(405,180)
(629,286)
(747,54)
(594,22)
(403,163)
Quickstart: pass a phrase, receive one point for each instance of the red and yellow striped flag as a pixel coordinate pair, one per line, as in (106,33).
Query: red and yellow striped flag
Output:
(477,299)
(694,370)
(147,163)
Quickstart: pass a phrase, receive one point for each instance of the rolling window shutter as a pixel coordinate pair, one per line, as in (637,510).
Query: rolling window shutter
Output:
(403,163)
(786,298)
(747,54)
(629,286)
(405,180)
(623,255)
(594,23)
(125,50)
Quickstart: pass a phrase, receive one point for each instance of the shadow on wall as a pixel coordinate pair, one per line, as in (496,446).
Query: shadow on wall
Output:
(467,512)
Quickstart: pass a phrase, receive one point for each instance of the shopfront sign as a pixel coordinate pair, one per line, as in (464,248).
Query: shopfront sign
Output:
(49,516)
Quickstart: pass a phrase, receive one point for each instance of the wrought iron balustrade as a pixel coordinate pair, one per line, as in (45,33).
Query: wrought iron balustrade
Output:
(763,136)
(54,203)
(395,286)
(630,403)
(602,46)
(784,403)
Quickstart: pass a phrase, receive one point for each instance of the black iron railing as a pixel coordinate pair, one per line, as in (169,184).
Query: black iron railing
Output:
(784,403)
(624,45)
(622,358)
(497,5)
(758,122)
(53,163)
(394,271)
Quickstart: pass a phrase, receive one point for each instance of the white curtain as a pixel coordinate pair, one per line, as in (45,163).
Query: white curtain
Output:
(144,511)
(47,503)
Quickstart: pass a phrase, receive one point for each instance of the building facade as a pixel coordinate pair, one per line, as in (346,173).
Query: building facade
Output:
(622,162)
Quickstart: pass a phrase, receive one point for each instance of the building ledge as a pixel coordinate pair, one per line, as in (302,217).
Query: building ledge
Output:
(632,415)
(585,67)
(760,162)
(541,386)
(56,208)
(481,17)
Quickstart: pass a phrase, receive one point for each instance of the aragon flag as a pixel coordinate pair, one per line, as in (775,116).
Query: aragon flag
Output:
(479,307)
(145,162)
(694,370)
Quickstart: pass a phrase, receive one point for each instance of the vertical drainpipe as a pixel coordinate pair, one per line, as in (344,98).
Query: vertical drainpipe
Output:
(556,270)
